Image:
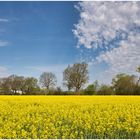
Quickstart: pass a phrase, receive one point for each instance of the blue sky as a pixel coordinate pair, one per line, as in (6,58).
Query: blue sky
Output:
(47,36)
(38,35)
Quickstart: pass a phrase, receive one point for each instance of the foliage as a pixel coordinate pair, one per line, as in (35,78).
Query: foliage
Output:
(105,90)
(124,84)
(75,77)
(16,85)
(70,117)
(30,85)
(92,88)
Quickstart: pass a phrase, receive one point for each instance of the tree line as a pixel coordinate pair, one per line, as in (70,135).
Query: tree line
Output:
(75,77)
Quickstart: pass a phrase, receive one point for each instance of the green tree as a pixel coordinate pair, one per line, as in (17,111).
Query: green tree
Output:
(105,90)
(124,84)
(30,86)
(18,85)
(92,88)
(76,76)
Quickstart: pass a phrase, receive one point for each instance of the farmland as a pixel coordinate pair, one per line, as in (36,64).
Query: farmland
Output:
(69,117)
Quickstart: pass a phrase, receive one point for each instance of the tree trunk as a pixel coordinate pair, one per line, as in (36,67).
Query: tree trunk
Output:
(138,81)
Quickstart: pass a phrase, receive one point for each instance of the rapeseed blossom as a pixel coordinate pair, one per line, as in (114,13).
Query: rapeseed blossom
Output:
(63,117)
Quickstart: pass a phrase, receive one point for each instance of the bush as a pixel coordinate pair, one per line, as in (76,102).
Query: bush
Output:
(105,90)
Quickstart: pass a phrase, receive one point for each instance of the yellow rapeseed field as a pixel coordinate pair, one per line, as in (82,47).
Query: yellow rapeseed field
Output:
(69,117)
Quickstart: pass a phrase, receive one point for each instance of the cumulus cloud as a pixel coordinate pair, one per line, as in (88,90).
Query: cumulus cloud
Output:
(103,23)
(103,20)
(126,58)
(3,43)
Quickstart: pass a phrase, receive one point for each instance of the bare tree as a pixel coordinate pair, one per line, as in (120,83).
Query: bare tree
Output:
(138,70)
(75,76)
(16,83)
(5,87)
(48,79)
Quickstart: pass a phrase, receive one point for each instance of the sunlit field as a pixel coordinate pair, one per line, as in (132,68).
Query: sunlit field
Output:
(69,117)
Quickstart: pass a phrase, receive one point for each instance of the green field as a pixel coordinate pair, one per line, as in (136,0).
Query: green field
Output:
(69,117)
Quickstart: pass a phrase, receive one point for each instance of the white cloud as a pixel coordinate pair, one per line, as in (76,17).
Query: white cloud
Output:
(105,19)
(3,43)
(100,20)
(4,20)
(125,59)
